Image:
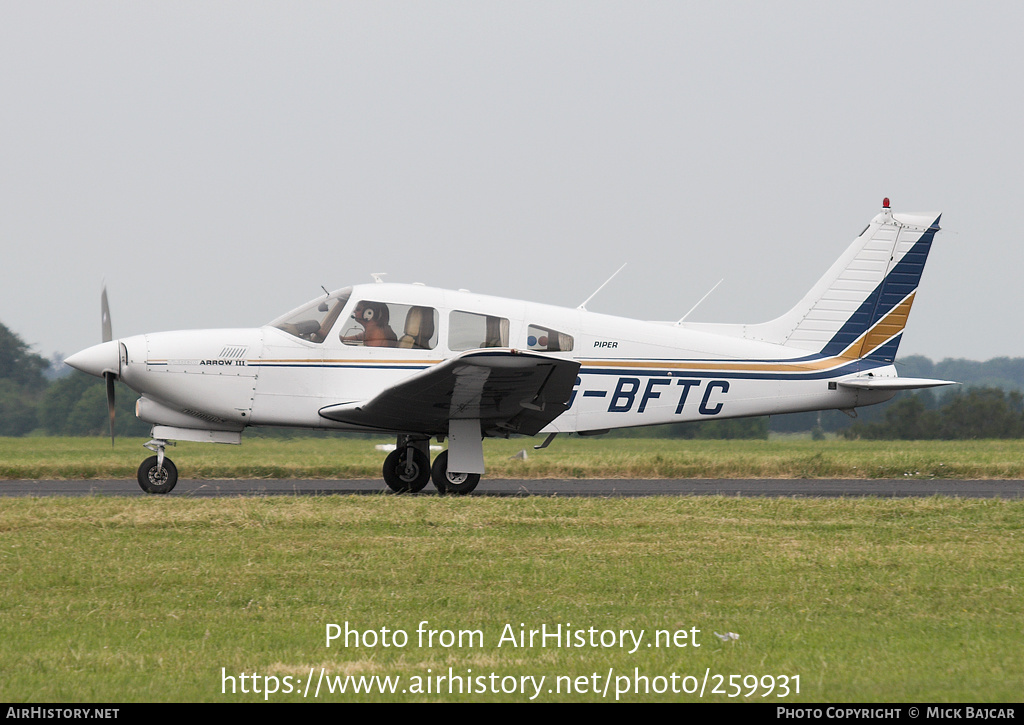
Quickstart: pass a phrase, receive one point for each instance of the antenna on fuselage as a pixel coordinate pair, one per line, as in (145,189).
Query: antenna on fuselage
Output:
(583,306)
(680,321)
(377,276)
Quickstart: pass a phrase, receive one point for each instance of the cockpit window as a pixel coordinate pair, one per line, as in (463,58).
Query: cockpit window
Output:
(313,322)
(547,340)
(375,324)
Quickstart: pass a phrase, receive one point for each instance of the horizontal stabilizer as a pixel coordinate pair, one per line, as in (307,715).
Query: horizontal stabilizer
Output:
(509,391)
(869,383)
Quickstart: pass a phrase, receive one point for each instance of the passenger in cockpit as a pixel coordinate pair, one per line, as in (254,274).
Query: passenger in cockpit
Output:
(374,317)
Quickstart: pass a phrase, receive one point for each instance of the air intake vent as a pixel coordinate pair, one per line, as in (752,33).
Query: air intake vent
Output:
(203,416)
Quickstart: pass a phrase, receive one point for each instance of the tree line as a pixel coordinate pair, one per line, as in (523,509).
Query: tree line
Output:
(39,396)
(72,404)
(980,412)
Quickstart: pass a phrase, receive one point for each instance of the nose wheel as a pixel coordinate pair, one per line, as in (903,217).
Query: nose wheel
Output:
(155,478)
(157,474)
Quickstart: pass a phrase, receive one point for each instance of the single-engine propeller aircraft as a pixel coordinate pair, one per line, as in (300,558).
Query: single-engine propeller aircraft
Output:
(420,362)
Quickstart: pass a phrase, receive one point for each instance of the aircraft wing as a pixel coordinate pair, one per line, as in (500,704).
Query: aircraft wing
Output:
(506,390)
(869,383)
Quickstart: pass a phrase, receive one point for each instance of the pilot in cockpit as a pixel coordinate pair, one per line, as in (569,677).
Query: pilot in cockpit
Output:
(374,317)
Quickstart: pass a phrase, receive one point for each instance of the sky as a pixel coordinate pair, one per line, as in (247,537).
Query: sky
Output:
(214,164)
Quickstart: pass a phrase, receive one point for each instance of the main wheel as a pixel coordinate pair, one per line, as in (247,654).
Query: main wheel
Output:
(402,478)
(447,482)
(157,480)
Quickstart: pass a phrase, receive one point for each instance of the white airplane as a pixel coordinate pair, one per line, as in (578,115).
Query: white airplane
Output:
(420,362)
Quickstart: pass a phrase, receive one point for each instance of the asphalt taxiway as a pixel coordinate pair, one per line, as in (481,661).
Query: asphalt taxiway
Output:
(605,487)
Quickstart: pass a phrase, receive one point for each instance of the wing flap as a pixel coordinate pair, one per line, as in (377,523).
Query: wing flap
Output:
(506,390)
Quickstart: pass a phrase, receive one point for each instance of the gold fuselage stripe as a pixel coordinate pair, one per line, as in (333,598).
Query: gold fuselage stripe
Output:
(879,333)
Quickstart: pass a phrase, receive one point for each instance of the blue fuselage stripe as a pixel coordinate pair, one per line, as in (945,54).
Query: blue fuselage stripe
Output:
(854,366)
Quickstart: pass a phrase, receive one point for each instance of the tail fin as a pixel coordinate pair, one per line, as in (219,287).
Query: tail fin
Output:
(859,308)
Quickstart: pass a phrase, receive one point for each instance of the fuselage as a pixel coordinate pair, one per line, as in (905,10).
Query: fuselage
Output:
(349,346)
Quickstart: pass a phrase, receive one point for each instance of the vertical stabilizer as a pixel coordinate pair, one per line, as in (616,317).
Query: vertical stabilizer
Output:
(859,308)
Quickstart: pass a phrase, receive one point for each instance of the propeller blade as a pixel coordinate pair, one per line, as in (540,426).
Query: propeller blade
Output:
(109,377)
(108,335)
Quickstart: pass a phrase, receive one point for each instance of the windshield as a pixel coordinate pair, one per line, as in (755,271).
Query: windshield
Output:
(313,322)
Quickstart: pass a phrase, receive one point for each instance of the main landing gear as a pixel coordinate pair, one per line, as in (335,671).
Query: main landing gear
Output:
(448,482)
(157,474)
(407,469)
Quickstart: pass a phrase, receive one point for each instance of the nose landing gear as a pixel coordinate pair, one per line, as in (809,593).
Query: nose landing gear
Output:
(157,474)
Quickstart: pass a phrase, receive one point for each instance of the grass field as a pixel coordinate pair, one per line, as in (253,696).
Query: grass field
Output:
(116,600)
(112,599)
(568,457)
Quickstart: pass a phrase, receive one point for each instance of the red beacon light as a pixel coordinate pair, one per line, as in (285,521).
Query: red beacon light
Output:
(885,203)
